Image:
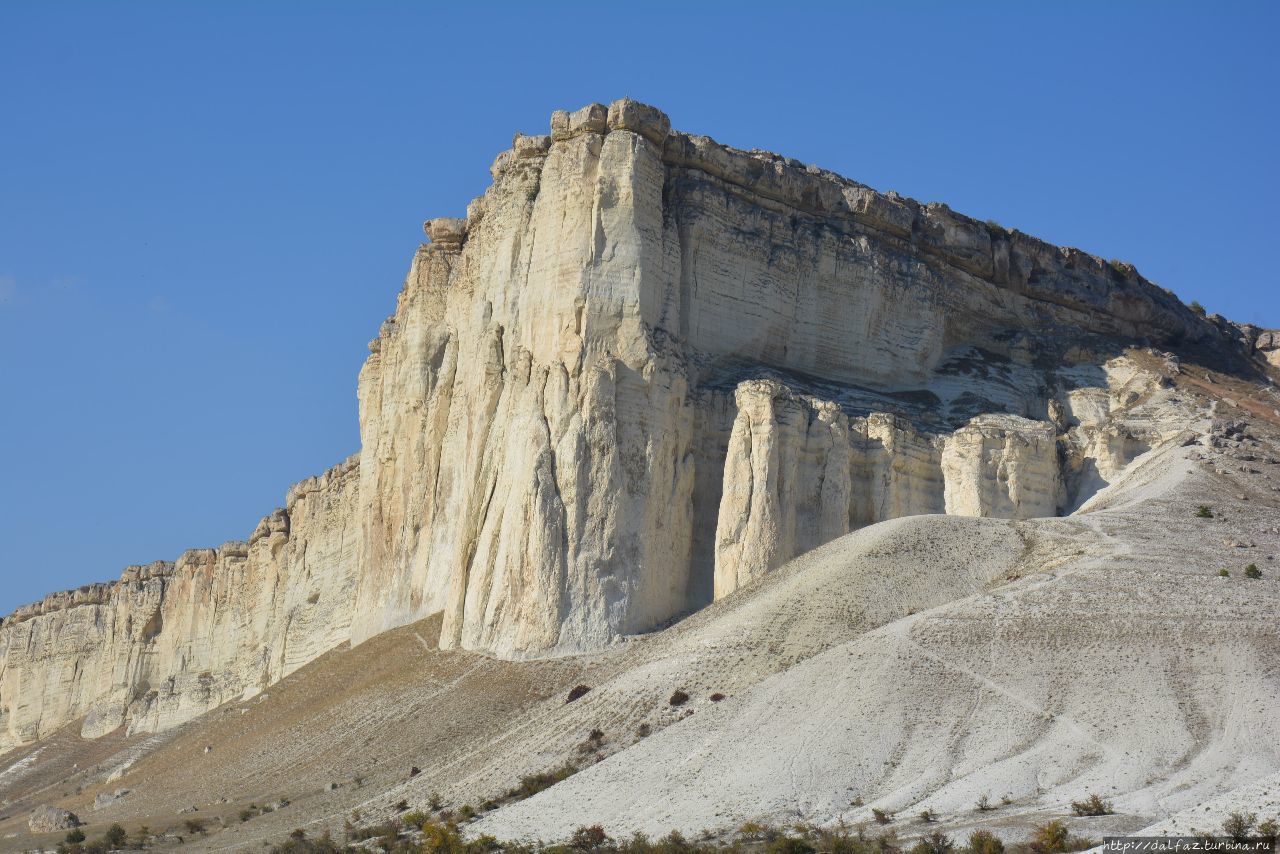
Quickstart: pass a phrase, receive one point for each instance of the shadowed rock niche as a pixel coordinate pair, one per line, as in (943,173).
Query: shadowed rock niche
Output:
(644,370)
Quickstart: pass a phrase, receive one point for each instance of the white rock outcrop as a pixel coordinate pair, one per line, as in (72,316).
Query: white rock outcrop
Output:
(643,370)
(1002,466)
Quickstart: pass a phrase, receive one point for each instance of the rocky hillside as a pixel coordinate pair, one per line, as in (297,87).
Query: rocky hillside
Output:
(922,663)
(643,372)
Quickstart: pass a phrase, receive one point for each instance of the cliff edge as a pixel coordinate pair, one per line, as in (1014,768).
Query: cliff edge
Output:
(645,370)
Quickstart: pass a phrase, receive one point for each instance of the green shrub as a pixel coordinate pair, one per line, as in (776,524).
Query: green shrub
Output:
(1204,512)
(881,816)
(927,816)
(985,842)
(1224,573)
(838,840)
(445,839)
(302,845)
(466,812)
(936,843)
(1197,308)
(785,844)
(1050,838)
(415,819)
(590,838)
(74,836)
(1238,825)
(1092,806)
(534,783)
(116,836)
(1252,571)
(1268,830)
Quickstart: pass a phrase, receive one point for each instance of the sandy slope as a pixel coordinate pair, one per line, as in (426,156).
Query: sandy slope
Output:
(1117,663)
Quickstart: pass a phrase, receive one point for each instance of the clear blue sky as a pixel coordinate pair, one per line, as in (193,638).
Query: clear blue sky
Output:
(206,210)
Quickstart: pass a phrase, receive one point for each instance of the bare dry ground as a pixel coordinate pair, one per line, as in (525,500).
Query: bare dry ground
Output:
(922,663)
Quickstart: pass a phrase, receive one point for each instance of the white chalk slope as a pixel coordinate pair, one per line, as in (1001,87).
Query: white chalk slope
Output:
(1030,662)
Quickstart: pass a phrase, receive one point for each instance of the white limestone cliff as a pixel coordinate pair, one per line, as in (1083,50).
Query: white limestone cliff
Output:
(644,370)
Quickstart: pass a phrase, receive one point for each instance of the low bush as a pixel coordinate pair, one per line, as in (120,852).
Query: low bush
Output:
(534,783)
(1238,825)
(1050,838)
(679,698)
(881,816)
(1204,512)
(1092,806)
(591,838)
(784,844)
(386,830)
(717,697)
(592,743)
(985,842)
(302,845)
(1053,838)
(116,836)
(577,692)
(935,843)
(1252,571)
(984,804)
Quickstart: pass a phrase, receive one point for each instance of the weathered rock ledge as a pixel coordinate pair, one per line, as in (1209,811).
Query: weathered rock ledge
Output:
(644,370)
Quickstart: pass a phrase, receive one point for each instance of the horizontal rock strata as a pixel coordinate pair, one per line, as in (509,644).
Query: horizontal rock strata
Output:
(643,370)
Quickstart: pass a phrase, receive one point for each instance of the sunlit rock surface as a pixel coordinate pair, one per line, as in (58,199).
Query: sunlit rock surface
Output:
(644,370)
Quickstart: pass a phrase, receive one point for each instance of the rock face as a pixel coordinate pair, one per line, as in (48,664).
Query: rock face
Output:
(169,641)
(1268,345)
(644,370)
(51,819)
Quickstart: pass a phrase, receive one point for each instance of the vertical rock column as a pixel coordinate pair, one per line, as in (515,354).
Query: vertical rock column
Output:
(1002,466)
(787,482)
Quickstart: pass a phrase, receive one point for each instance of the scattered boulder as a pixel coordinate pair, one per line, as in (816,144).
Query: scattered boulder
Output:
(106,799)
(48,819)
